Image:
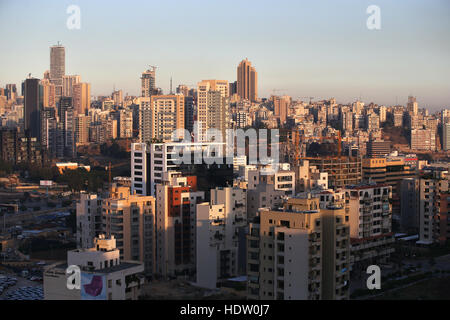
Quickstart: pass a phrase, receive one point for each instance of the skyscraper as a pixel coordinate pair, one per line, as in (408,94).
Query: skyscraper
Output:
(57,68)
(247,81)
(32,96)
(81,97)
(68,83)
(148,82)
(412,105)
(212,106)
(162,116)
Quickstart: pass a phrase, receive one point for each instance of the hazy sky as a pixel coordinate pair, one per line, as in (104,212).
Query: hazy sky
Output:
(316,48)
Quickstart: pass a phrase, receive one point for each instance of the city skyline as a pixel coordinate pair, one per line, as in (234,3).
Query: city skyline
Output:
(345,60)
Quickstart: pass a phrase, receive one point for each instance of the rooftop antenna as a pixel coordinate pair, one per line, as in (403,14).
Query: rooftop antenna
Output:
(171,85)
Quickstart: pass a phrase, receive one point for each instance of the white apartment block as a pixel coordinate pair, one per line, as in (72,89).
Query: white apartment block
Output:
(219,226)
(149,162)
(89,219)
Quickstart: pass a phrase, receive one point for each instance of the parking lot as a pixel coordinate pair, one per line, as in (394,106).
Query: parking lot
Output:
(17,288)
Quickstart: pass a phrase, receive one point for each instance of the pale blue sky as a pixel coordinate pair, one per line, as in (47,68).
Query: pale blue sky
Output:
(302,48)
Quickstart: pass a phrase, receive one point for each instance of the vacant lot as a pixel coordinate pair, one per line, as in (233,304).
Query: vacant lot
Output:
(430,289)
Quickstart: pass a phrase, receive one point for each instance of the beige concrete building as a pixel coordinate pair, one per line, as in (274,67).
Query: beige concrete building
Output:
(160,116)
(176,197)
(283,179)
(68,82)
(81,97)
(423,139)
(300,252)
(148,82)
(48,94)
(370,214)
(212,107)
(247,81)
(130,219)
(126,123)
(82,123)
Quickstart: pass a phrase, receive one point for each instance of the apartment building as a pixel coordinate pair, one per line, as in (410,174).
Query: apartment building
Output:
(175,225)
(423,139)
(81,97)
(370,213)
(264,195)
(89,219)
(130,218)
(283,179)
(221,236)
(125,123)
(308,177)
(149,162)
(299,252)
(99,264)
(409,205)
(433,190)
(212,107)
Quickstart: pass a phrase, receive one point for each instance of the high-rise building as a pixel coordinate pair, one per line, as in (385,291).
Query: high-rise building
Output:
(11,91)
(148,82)
(378,148)
(82,129)
(130,218)
(68,82)
(247,81)
(412,105)
(299,252)
(409,205)
(175,226)
(48,94)
(221,236)
(446,136)
(117,97)
(160,116)
(281,107)
(212,107)
(189,113)
(126,123)
(48,130)
(89,219)
(82,97)
(433,210)
(57,68)
(183,89)
(150,161)
(33,105)
(423,139)
(370,219)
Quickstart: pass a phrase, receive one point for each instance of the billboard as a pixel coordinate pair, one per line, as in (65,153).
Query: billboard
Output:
(46,183)
(93,286)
